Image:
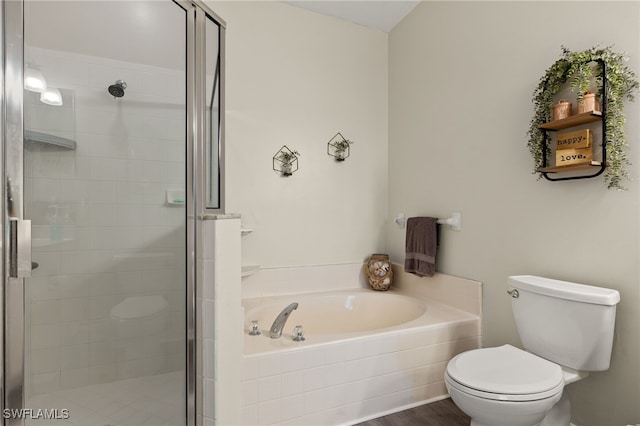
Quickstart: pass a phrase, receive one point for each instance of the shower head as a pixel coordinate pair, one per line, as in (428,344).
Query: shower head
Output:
(117,90)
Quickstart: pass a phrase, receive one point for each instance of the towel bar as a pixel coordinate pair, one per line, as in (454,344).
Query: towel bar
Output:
(455,221)
(400,219)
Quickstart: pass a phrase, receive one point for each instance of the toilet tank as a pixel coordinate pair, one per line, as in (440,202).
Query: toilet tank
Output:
(567,323)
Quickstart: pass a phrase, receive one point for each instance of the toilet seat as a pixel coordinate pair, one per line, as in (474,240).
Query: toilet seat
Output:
(504,373)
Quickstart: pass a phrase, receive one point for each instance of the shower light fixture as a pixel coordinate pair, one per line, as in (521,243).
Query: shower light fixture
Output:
(34,80)
(51,96)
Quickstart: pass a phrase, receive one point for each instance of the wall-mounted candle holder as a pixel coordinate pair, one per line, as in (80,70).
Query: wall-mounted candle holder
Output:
(285,161)
(338,147)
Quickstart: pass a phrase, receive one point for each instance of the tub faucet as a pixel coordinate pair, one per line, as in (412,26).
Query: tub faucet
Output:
(280,321)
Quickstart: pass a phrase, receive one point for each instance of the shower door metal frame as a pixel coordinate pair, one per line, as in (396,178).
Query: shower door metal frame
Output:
(198,13)
(12,207)
(12,321)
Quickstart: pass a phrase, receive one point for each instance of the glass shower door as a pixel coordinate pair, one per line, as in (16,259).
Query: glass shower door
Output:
(104,188)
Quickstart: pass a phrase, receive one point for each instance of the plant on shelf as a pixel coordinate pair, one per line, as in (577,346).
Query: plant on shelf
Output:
(287,158)
(578,69)
(338,147)
(341,148)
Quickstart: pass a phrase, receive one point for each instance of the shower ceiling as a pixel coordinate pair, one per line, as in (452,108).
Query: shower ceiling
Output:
(382,15)
(137,21)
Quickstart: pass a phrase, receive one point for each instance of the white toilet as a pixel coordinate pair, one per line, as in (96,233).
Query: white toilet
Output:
(567,331)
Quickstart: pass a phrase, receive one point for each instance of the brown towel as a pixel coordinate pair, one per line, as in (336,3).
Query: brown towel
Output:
(421,245)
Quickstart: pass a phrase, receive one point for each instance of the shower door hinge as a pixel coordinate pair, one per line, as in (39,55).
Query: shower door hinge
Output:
(19,248)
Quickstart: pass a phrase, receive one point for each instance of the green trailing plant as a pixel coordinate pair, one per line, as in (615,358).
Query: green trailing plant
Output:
(342,145)
(580,69)
(288,157)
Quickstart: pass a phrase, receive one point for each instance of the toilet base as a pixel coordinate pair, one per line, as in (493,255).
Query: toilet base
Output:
(560,414)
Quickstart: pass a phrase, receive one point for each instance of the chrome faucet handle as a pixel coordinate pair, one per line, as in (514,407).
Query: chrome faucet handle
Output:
(298,334)
(254,329)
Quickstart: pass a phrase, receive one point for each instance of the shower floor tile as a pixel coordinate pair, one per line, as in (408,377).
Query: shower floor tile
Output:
(152,400)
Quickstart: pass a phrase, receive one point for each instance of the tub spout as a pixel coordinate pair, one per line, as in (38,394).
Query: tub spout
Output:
(280,321)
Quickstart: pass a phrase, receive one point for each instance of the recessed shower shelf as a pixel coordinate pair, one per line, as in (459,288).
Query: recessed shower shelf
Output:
(32,137)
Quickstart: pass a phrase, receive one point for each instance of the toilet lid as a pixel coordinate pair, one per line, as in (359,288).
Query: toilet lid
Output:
(505,370)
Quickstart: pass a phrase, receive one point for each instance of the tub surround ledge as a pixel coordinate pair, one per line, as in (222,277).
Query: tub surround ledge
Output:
(459,293)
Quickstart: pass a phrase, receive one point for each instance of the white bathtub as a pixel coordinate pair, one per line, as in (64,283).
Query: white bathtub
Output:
(366,354)
(338,312)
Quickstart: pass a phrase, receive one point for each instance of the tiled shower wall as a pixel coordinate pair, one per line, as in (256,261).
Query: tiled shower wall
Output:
(101,227)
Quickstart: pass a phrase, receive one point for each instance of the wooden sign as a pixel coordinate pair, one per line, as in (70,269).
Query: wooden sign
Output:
(566,157)
(577,139)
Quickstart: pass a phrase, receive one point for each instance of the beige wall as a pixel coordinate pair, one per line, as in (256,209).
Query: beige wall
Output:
(296,78)
(460,80)
(462,75)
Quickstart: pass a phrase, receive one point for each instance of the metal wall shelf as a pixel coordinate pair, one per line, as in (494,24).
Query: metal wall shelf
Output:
(578,171)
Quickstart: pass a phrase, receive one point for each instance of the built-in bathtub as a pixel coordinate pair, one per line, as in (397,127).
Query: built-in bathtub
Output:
(366,354)
(336,315)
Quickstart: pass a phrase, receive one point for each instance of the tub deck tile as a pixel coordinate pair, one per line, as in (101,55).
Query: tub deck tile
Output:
(358,377)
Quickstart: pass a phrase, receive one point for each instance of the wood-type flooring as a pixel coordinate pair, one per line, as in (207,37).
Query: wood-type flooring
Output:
(439,413)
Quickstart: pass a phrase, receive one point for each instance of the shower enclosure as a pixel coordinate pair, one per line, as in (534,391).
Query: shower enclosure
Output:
(112,137)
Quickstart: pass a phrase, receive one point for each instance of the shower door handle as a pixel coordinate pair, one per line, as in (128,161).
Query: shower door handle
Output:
(20,264)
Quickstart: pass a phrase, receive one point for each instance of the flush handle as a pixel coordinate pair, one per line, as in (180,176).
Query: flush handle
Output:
(513,293)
